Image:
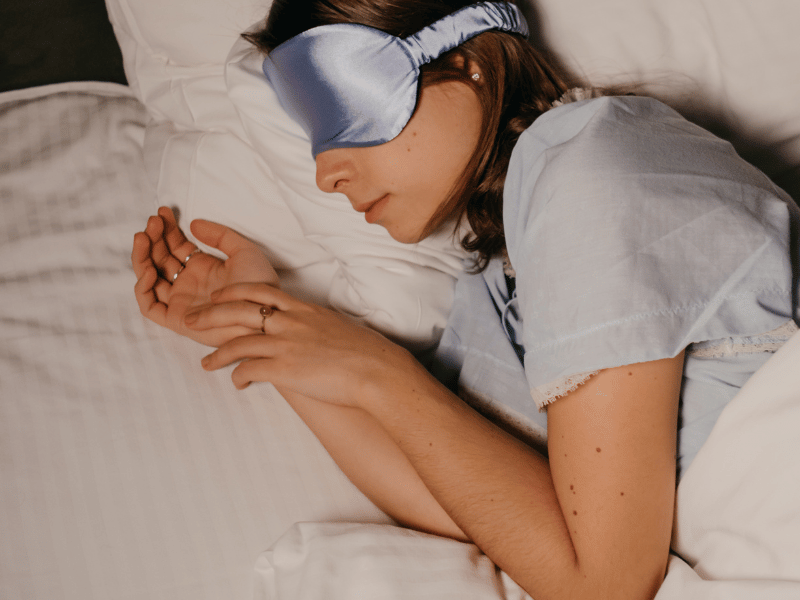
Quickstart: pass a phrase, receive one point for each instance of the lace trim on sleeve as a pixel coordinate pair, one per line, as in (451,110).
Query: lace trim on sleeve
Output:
(549,393)
(770,341)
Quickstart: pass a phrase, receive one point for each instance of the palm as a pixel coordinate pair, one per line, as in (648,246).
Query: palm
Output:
(167,301)
(205,274)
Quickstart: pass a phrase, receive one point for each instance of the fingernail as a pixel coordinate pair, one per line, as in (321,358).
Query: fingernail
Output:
(189,319)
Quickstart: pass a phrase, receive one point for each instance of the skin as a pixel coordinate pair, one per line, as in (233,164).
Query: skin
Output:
(414,172)
(590,520)
(160,250)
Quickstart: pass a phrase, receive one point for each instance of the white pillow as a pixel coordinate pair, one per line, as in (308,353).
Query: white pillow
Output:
(174,53)
(204,163)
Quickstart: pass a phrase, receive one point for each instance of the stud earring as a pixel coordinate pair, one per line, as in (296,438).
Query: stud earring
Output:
(476,76)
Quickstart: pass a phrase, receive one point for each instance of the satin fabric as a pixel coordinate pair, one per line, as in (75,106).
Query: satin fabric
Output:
(350,85)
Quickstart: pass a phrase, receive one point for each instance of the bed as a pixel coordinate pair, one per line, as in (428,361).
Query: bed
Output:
(126,472)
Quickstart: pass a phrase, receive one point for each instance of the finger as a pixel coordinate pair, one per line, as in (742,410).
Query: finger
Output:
(145,270)
(241,348)
(154,228)
(230,314)
(218,236)
(146,297)
(140,254)
(178,245)
(155,231)
(163,290)
(160,254)
(256,369)
(257,293)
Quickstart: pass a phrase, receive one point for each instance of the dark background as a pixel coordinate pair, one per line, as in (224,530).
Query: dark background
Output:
(51,41)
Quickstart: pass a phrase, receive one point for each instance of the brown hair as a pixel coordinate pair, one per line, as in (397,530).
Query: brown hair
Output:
(516,86)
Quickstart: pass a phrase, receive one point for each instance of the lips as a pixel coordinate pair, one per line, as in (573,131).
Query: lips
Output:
(373,209)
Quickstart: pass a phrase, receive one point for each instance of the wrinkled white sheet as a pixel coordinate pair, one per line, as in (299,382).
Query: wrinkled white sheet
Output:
(126,472)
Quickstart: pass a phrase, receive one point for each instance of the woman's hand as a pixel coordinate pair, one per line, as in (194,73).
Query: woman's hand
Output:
(306,348)
(174,277)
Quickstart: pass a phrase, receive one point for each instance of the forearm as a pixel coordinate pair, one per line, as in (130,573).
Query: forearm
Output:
(598,526)
(498,490)
(374,463)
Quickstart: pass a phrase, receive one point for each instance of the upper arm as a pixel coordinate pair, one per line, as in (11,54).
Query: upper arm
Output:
(612,447)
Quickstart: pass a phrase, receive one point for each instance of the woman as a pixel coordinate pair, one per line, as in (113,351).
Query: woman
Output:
(652,278)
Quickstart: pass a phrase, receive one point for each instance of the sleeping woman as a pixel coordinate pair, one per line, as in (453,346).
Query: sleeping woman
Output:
(630,273)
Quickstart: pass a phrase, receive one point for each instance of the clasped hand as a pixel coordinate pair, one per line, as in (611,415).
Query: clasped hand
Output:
(309,349)
(299,346)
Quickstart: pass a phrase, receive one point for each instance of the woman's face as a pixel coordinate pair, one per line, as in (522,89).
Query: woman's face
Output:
(401,184)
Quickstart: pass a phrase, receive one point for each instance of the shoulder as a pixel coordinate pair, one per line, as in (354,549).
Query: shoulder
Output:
(610,135)
(618,159)
(634,232)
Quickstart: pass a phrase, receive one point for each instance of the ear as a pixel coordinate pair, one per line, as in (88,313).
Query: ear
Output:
(475,72)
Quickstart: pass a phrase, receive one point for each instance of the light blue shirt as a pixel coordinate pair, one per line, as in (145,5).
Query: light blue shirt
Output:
(634,234)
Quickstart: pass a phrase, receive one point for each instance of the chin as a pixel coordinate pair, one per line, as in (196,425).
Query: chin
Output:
(405,237)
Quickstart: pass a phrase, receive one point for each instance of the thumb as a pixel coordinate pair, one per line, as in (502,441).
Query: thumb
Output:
(220,237)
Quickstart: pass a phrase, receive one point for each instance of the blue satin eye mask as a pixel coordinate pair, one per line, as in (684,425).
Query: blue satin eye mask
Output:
(349,85)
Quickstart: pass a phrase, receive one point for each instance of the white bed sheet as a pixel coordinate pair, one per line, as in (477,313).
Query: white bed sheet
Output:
(126,471)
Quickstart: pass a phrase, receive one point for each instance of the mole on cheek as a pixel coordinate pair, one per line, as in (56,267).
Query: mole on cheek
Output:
(574,512)
(598,449)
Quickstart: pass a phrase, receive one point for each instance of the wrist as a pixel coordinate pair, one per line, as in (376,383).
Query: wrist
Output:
(397,380)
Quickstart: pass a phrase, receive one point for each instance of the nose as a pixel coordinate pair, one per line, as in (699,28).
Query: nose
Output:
(335,170)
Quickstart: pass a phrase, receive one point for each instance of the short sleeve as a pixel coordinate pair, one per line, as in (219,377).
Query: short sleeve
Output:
(635,233)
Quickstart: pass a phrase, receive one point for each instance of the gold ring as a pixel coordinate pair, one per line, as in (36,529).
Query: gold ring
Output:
(174,277)
(266,312)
